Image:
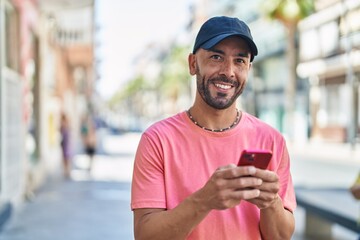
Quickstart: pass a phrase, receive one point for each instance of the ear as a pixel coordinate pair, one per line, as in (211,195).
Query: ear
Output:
(192,64)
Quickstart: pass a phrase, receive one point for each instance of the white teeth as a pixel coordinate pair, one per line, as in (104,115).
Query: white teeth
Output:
(222,86)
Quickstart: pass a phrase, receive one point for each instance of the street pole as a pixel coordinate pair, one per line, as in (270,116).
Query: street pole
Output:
(351,82)
(291,85)
(2,111)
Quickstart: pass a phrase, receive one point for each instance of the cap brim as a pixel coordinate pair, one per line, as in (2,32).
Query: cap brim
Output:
(212,42)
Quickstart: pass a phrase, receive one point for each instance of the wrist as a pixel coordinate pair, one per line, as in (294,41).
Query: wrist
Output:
(275,203)
(199,203)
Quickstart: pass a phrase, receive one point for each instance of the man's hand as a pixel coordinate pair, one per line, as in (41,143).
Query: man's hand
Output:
(268,189)
(275,221)
(228,186)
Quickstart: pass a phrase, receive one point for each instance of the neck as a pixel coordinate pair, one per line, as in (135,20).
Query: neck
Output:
(215,121)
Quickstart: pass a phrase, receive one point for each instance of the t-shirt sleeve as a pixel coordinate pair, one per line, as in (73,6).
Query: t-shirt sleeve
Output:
(286,192)
(148,187)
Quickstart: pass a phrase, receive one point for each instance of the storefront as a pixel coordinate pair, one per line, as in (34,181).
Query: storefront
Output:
(330,62)
(12,138)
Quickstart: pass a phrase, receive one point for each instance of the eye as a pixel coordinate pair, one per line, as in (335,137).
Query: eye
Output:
(240,60)
(216,57)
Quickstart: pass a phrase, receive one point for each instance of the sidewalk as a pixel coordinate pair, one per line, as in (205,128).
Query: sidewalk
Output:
(329,152)
(88,207)
(318,164)
(328,165)
(99,207)
(74,210)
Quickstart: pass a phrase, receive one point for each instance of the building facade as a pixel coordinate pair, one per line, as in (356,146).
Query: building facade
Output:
(46,68)
(19,70)
(330,63)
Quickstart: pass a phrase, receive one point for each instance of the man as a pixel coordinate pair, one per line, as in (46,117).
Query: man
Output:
(186,184)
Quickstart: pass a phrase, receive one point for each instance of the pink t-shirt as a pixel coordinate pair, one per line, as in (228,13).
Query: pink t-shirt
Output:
(175,158)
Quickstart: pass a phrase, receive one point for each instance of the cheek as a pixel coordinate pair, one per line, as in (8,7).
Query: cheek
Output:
(209,73)
(243,85)
(242,75)
(242,78)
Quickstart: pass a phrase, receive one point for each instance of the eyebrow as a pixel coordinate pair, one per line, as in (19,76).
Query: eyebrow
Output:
(241,54)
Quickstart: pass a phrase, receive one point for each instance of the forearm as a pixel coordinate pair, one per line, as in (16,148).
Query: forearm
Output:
(174,224)
(276,222)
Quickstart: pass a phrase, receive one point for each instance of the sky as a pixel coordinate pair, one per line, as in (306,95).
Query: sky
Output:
(124,28)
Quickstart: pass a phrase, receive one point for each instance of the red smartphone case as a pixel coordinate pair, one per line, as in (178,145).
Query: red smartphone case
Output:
(257,158)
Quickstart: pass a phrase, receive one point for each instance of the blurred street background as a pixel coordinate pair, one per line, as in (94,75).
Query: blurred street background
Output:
(119,67)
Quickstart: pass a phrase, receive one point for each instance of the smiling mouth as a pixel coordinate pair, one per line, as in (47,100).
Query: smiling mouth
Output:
(223,86)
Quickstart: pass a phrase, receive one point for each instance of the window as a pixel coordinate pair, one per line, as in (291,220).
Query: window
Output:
(11,37)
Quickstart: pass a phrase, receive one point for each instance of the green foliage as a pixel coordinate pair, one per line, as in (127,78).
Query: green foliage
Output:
(131,88)
(174,76)
(172,81)
(288,11)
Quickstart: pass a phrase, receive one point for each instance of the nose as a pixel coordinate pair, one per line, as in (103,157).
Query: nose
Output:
(227,69)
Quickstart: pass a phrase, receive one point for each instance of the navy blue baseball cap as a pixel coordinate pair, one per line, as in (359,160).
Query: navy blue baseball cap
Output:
(217,29)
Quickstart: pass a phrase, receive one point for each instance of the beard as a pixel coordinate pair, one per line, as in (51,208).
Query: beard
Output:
(221,100)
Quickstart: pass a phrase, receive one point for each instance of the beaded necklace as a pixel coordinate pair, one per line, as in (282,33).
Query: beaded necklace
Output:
(215,130)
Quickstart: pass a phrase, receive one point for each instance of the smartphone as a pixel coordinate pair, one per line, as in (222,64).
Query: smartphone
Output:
(257,158)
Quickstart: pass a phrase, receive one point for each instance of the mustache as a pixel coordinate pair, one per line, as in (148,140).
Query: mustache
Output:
(224,80)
